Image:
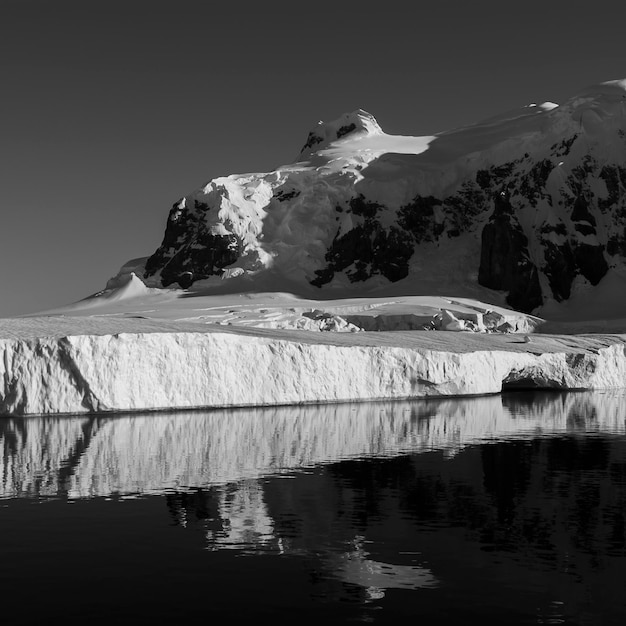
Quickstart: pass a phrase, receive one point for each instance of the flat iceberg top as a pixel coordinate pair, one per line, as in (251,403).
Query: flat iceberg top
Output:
(53,327)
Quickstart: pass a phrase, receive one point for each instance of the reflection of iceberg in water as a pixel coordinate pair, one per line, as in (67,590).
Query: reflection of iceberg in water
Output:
(214,469)
(156,453)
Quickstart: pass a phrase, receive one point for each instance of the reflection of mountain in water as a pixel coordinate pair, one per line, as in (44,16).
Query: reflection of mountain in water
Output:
(234,516)
(98,456)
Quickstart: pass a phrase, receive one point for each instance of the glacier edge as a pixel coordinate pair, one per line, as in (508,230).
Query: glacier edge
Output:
(144,371)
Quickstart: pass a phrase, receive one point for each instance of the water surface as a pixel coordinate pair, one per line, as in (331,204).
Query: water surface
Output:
(503,509)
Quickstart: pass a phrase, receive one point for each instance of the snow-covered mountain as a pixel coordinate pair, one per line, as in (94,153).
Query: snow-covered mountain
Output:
(527,208)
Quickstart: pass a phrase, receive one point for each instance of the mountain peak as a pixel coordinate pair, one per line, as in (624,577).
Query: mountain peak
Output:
(357,121)
(615,88)
(598,109)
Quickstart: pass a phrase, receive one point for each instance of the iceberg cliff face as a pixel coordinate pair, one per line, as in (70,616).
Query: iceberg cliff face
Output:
(127,370)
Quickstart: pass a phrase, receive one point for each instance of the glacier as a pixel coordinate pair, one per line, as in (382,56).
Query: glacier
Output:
(73,365)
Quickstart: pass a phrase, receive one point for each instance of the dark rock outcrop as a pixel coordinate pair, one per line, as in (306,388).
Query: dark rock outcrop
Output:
(505,262)
(189,252)
(368,249)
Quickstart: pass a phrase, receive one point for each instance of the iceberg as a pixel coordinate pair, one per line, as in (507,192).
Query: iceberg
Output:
(89,365)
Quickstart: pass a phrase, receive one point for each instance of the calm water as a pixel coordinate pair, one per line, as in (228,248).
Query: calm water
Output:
(498,510)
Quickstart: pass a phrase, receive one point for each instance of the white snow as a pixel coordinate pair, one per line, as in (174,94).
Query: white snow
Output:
(129,298)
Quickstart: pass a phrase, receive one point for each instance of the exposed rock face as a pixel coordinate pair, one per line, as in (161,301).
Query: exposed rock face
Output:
(536,200)
(190,251)
(367,249)
(505,262)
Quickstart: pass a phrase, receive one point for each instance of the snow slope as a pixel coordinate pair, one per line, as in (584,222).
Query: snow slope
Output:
(287,311)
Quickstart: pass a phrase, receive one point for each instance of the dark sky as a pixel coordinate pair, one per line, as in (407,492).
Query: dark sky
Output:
(112,110)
